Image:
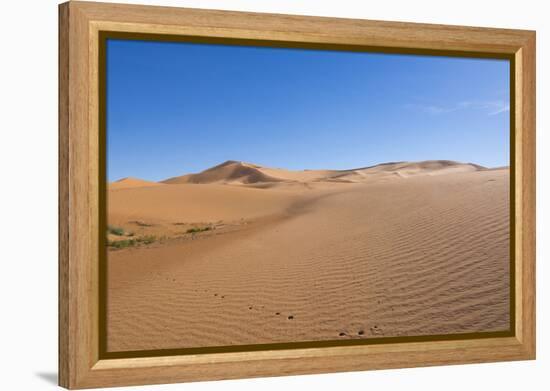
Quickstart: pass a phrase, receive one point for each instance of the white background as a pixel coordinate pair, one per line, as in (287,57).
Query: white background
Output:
(28,196)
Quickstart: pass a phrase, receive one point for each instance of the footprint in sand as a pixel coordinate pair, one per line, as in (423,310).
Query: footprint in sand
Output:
(375,330)
(342,334)
(290,317)
(361,332)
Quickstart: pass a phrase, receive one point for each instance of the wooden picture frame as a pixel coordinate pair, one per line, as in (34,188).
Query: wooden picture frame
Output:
(81,364)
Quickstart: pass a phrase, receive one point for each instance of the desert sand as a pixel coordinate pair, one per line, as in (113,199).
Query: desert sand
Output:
(244,254)
(130,182)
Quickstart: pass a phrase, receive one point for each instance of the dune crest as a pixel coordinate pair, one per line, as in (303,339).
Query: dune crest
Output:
(405,170)
(242,173)
(229,172)
(131,182)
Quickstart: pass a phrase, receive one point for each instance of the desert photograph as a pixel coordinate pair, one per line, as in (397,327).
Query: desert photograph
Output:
(261,195)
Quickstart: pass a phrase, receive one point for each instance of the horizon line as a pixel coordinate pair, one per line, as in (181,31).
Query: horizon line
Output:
(230,161)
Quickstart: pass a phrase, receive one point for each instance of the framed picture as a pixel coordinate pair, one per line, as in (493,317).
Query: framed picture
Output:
(248,195)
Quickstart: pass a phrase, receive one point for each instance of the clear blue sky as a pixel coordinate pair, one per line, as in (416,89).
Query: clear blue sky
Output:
(176,108)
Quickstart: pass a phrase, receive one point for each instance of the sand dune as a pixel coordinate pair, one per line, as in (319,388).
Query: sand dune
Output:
(391,250)
(209,202)
(228,172)
(130,183)
(234,172)
(403,170)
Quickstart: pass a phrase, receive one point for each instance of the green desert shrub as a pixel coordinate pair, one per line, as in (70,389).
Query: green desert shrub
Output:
(131,242)
(141,223)
(147,239)
(122,243)
(195,230)
(115,230)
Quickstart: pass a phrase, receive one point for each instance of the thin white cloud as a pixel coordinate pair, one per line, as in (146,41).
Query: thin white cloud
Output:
(504,108)
(490,107)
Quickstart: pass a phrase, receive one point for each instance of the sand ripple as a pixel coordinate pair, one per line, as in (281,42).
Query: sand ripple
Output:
(412,256)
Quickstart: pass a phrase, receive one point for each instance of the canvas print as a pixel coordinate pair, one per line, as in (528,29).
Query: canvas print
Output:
(261,195)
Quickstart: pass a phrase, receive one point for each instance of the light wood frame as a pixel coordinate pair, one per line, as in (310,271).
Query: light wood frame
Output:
(80,24)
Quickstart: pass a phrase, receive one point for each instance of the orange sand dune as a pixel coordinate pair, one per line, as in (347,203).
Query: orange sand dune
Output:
(187,203)
(228,172)
(413,254)
(404,170)
(130,183)
(234,172)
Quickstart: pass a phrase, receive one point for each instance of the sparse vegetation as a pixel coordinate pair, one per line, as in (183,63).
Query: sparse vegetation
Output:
(115,230)
(121,243)
(195,230)
(141,223)
(147,239)
(118,244)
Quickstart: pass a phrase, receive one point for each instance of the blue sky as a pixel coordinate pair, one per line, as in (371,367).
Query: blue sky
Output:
(176,108)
